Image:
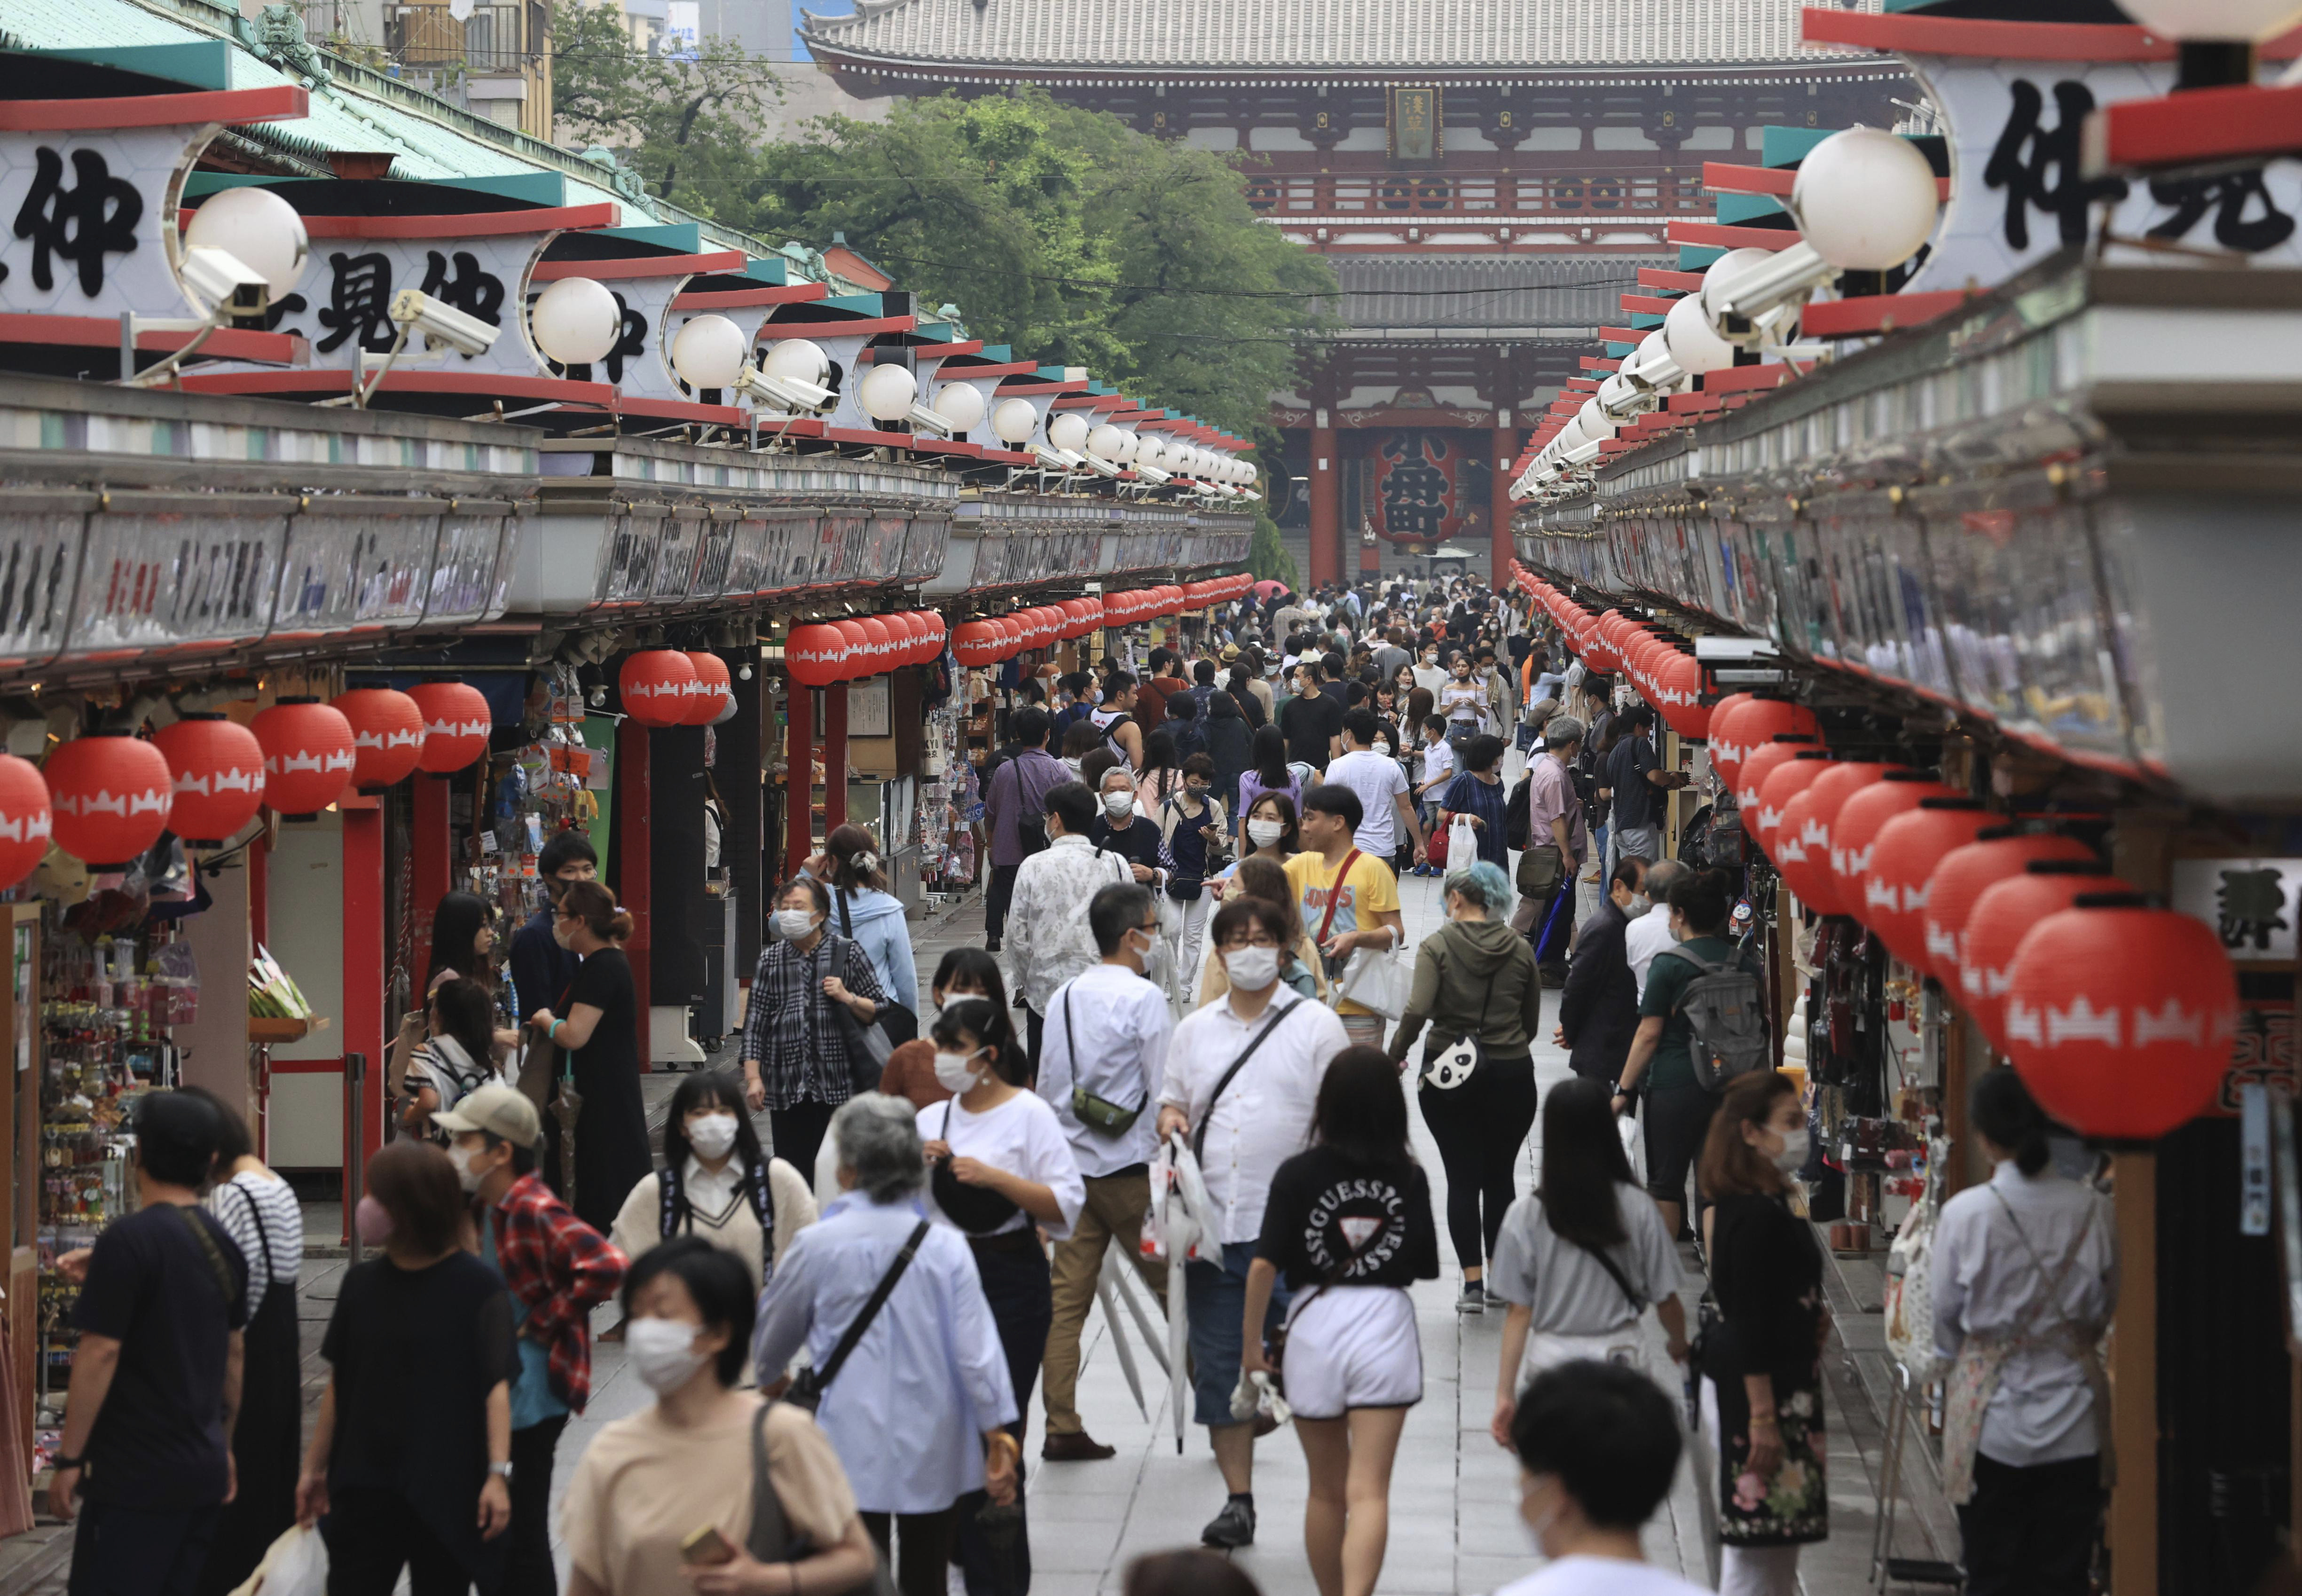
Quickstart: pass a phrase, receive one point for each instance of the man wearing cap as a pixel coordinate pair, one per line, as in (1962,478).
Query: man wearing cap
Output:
(557,1269)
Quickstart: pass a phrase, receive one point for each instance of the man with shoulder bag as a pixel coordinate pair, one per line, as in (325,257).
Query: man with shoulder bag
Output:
(1557,844)
(1192,828)
(1014,810)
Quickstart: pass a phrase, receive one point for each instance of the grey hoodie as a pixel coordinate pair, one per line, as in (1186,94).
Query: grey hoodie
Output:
(1474,978)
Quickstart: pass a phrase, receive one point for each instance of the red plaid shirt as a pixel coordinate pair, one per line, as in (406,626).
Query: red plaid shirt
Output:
(558,1269)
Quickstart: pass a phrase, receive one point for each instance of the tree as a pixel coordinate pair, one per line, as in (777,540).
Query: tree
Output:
(1268,556)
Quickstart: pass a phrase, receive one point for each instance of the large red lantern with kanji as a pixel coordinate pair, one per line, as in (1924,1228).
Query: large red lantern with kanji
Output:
(1802,835)
(1751,785)
(1789,778)
(815,655)
(108,797)
(27,820)
(1903,862)
(715,689)
(1859,821)
(215,767)
(1998,853)
(2119,1017)
(657,686)
(456,721)
(2001,916)
(387,735)
(309,757)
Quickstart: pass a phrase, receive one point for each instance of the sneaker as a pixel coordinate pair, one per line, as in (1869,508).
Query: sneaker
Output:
(1077,1446)
(1233,1527)
(1474,1299)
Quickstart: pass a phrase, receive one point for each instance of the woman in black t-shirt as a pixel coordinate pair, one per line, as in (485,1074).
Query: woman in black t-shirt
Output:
(1349,1225)
(601,1034)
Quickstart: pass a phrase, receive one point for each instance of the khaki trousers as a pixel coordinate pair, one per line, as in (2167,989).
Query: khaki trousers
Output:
(1114,1211)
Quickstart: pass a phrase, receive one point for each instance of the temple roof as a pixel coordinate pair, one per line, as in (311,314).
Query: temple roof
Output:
(1383,37)
(1404,296)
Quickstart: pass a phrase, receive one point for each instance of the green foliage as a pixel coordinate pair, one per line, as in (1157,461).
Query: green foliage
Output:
(1266,556)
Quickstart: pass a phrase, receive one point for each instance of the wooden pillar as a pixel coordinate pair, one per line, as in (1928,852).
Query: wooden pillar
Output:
(432,844)
(1326,499)
(2134,1379)
(742,787)
(834,757)
(799,778)
(633,856)
(1506,446)
(363,969)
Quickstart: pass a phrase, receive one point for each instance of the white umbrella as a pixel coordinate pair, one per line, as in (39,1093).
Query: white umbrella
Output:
(1104,1294)
(1123,1284)
(1183,1214)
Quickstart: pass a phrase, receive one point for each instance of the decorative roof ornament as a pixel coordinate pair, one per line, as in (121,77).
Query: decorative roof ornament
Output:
(622,181)
(277,35)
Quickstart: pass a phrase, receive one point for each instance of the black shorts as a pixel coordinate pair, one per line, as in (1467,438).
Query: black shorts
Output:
(1677,1119)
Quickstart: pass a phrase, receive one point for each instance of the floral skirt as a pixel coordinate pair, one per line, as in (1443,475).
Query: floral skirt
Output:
(1793,1507)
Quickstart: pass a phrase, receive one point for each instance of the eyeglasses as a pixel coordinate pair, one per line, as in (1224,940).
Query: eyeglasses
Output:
(1256,939)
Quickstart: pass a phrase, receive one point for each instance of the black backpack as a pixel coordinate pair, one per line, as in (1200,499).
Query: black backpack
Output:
(1725,1007)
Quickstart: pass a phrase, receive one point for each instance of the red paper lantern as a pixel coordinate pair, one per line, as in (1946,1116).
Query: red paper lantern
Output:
(657,686)
(1788,779)
(109,796)
(1678,682)
(715,689)
(1755,723)
(911,635)
(2120,1017)
(456,721)
(857,660)
(878,646)
(977,643)
(1902,863)
(387,735)
(938,635)
(1857,826)
(309,757)
(1964,876)
(816,654)
(27,821)
(1749,786)
(215,767)
(1802,835)
(2001,916)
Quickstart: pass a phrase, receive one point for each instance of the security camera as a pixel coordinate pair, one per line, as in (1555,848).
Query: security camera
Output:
(236,288)
(793,396)
(1768,295)
(419,312)
(925,420)
(1152,474)
(1101,467)
(1055,459)
(1585,453)
(1620,399)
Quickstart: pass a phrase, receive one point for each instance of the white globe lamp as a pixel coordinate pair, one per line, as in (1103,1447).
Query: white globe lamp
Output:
(1864,199)
(887,392)
(259,229)
(1692,342)
(1594,422)
(1067,430)
(1014,421)
(799,358)
(576,321)
(708,352)
(1106,443)
(960,404)
(1150,450)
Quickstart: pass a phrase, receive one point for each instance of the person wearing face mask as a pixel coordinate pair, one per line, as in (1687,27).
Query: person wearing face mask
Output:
(540,970)
(1048,941)
(1123,828)
(1241,1083)
(599,1034)
(410,1456)
(1762,1378)
(716,1182)
(1597,1448)
(794,1053)
(455,1060)
(1599,1009)
(1192,831)
(866,913)
(649,1481)
(962,972)
(1430,674)
(1001,1172)
(1105,1063)
(555,1269)
(1387,824)
(918,1411)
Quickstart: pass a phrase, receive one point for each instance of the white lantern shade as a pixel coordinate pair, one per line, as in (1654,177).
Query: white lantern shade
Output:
(1723,272)
(708,352)
(1067,429)
(1013,420)
(800,358)
(2253,19)
(1864,199)
(256,228)
(1570,436)
(576,321)
(1692,342)
(1593,421)
(887,392)
(960,404)
(1106,443)
(1123,452)
(1150,450)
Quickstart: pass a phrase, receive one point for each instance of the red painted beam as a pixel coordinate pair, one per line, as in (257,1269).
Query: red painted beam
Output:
(2194,128)
(1659,277)
(278,102)
(1622,335)
(835,759)
(479,225)
(799,778)
(1740,379)
(1719,236)
(432,842)
(739,298)
(861,326)
(1872,314)
(1649,304)
(91,332)
(639,265)
(1594,363)
(1915,33)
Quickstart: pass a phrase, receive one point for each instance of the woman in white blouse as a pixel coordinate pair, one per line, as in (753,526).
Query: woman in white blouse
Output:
(1000,1170)
(716,1182)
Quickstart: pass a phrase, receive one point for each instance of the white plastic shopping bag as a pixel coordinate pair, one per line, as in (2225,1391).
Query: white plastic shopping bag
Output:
(1462,843)
(295,1564)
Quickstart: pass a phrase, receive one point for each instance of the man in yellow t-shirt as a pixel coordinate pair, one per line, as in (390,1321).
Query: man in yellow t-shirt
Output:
(1362,891)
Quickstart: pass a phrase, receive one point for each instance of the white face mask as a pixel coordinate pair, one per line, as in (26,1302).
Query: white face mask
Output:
(1382,746)
(792,924)
(466,1175)
(1251,968)
(1792,1157)
(1639,904)
(712,1135)
(1119,805)
(955,1073)
(1262,834)
(662,1351)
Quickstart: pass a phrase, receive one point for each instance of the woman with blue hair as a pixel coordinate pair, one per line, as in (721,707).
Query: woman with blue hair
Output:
(1475,986)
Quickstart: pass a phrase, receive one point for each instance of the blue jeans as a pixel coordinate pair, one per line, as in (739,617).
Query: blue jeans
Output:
(1216,1297)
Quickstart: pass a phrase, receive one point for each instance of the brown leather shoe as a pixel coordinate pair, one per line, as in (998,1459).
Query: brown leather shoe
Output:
(1076,1447)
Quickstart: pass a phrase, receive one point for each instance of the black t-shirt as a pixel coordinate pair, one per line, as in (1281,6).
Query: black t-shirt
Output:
(1310,720)
(159,1439)
(1325,1208)
(1637,802)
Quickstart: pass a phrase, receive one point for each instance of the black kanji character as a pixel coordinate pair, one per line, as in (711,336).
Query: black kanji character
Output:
(472,291)
(2027,153)
(95,216)
(2228,193)
(2250,902)
(1414,488)
(359,301)
(280,310)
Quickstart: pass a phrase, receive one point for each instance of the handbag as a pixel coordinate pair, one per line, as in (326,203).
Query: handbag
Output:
(1098,1114)
(1456,1064)
(808,1386)
(900,1023)
(1435,848)
(1540,868)
(771,1540)
(867,1045)
(1379,979)
(1462,842)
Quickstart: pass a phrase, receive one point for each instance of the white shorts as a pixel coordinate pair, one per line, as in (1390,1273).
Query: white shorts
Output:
(1352,1346)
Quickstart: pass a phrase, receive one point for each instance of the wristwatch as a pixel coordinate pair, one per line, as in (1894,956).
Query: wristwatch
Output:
(59,1463)
(502,1468)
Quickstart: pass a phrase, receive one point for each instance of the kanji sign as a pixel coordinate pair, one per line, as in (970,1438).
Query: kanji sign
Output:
(2254,904)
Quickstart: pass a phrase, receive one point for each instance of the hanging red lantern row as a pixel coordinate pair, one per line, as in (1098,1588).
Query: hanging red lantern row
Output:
(815,654)
(655,686)
(1859,821)
(2001,916)
(1808,818)
(308,756)
(937,632)
(1785,781)
(2119,1017)
(1902,863)
(456,721)
(1751,782)
(714,694)
(387,735)
(1752,724)
(27,820)
(1678,689)
(977,643)
(215,769)
(109,795)
(1965,874)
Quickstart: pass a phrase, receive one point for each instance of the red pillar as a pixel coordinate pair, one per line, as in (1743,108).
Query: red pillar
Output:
(1326,500)
(834,757)
(799,781)
(433,846)
(1499,514)
(632,747)
(362,1000)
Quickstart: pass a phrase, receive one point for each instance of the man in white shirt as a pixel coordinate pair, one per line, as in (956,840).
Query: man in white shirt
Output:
(1107,1036)
(1382,787)
(1650,934)
(1242,1080)
(1048,941)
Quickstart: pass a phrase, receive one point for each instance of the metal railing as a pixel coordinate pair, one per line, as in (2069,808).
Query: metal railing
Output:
(427,38)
